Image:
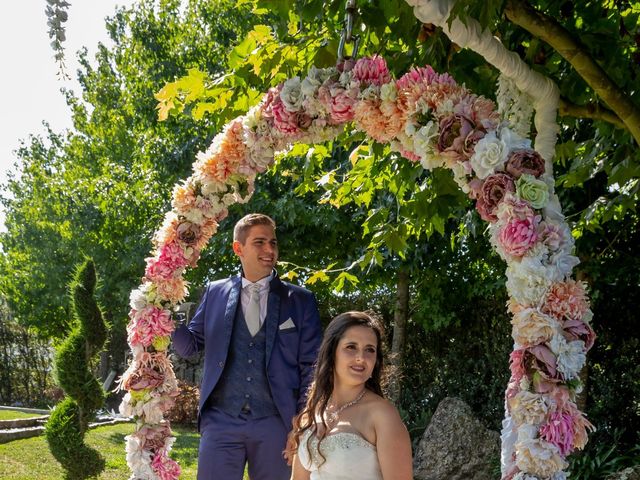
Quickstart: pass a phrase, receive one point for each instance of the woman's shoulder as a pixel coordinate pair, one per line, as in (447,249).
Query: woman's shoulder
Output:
(382,410)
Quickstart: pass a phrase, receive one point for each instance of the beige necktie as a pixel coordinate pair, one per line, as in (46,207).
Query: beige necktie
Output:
(252,315)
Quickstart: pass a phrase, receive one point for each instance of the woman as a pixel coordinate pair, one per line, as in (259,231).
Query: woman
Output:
(347,429)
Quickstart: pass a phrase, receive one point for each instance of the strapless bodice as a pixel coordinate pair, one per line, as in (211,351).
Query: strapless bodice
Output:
(348,456)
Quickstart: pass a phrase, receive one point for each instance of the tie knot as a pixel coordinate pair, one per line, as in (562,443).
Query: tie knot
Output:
(254,289)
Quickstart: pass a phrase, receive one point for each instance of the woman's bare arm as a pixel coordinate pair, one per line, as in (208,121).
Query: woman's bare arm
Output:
(392,443)
(298,472)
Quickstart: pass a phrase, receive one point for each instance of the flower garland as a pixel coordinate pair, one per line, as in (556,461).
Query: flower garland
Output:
(429,119)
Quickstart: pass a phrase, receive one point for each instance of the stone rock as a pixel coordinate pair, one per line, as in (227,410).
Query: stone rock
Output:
(631,473)
(456,446)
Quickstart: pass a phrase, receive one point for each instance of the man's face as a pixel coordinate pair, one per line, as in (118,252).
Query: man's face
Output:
(259,253)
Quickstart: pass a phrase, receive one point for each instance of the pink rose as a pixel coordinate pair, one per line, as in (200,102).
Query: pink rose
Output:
(188,232)
(492,192)
(518,236)
(154,438)
(574,329)
(340,103)
(458,136)
(541,364)
(525,160)
(143,378)
(283,119)
(371,71)
(454,130)
(342,107)
(266,106)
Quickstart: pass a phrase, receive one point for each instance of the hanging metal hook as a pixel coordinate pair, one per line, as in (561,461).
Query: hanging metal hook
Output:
(347,32)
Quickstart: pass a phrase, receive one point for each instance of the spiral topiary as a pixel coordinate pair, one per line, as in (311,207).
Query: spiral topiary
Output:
(84,395)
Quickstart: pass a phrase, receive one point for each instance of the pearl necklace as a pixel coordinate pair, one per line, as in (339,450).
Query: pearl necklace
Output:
(333,417)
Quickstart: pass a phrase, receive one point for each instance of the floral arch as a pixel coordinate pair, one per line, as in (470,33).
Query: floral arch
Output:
(427,118)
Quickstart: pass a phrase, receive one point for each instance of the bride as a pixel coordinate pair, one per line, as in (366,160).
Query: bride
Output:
(347,430)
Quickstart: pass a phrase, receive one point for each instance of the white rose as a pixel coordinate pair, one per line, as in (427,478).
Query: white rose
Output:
(489,155)
(570,356)
(291,94)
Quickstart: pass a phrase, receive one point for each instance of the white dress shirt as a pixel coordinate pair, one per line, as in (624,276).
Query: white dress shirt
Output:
(245,295)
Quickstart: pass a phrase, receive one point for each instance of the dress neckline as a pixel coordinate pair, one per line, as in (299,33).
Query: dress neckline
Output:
(346,432)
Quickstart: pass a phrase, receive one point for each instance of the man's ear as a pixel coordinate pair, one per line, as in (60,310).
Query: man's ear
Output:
(237,248)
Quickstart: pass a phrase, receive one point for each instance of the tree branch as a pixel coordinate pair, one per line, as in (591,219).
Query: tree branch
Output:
(549,30)
(593,111)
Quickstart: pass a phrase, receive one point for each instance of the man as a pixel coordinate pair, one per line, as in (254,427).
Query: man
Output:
(260,337)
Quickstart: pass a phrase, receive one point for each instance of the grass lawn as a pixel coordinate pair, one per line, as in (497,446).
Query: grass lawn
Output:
(15,414)
(30,458)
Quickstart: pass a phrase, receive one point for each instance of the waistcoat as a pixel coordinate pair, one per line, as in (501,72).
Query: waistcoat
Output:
(243,387)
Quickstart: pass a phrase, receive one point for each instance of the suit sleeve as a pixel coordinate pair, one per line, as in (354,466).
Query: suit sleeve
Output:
(311,336)
(189,339)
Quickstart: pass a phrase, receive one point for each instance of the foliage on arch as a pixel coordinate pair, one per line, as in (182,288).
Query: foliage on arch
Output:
(426,118)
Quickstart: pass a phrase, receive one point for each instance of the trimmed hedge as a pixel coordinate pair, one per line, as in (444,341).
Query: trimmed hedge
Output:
(84,395)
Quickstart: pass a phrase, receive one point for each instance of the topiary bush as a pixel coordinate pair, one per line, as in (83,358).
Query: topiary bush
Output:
(84,395)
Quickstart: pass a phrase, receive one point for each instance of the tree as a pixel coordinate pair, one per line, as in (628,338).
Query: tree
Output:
(103,186)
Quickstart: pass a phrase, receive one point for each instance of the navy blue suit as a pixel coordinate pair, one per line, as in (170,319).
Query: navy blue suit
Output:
(292,337)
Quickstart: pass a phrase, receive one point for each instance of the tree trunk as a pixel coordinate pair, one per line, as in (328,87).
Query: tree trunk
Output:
(399,333)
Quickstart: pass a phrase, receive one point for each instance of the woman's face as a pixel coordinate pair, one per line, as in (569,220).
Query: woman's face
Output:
(355,355)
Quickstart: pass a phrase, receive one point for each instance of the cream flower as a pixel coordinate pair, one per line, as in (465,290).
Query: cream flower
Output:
(531,327)
(527,407)
(388,92)
(539,458)
(528,281)
(489,156)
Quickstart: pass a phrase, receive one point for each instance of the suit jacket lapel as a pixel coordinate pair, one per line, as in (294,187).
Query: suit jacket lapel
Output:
(232,305)
(273,315)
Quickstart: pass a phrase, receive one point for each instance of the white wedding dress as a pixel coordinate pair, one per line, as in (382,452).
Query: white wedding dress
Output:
(348,456)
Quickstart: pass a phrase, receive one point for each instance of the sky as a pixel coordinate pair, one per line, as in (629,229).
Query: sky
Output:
(29,85)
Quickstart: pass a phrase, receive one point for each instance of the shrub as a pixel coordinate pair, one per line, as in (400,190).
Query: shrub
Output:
(185,410)
(69,421)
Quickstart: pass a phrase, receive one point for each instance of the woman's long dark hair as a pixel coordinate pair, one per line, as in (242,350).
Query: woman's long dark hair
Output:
(322,386)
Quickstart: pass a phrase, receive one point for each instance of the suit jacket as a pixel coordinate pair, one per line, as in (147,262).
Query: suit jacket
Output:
(290,351)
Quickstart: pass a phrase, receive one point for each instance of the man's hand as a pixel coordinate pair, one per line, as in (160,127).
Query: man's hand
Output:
(290,449)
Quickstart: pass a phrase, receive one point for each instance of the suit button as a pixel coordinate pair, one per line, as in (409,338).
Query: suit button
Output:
(221,364)
(248,379)
(250,361)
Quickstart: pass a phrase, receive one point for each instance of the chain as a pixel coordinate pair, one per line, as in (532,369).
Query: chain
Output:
(347,32)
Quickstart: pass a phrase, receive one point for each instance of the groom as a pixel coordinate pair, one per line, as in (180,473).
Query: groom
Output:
(260,337)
